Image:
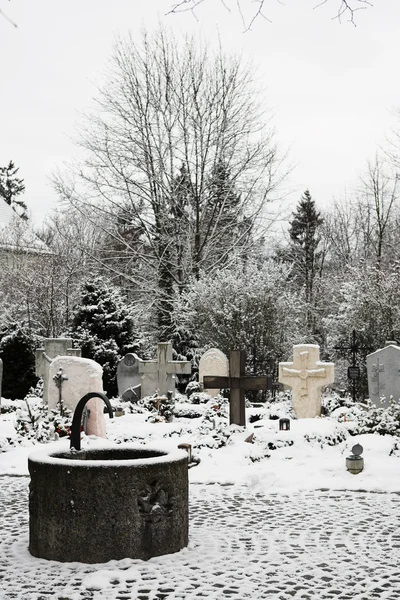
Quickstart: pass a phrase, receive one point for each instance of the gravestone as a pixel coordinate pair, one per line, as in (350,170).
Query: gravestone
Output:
(158,376)
(306,375)
(52,347)
(78,377)
(1,377)
(383,369)
(128,375)
(237,382)
(215,363)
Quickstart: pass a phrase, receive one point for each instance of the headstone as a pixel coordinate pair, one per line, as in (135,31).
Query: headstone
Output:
(237,382)
(158,376)
(52,347)
(80,376)
(383,368)
(128,375)
(306,375)
(213,362)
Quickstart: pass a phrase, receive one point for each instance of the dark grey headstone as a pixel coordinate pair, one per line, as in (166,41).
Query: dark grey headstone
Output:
(383,367)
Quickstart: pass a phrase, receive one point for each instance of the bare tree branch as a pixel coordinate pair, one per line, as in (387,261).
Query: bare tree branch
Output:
(344,8)
(347,8)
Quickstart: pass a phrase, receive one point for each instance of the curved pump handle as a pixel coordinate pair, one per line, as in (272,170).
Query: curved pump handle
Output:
(77,418)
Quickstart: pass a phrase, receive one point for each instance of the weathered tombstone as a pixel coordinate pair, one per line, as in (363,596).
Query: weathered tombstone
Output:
(159,375)
(383,368)
(128,375)
(52,347)
(215,363)
(237,382)
(78,376)
(306,375)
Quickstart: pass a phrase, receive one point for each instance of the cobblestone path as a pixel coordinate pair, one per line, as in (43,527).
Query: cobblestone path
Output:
(319,545)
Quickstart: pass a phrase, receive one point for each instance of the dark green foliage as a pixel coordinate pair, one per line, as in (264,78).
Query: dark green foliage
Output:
(11,187)
(304,236)
(103,326)
(17,349)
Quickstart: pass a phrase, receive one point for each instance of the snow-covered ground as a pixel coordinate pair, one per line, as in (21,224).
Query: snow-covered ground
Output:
(277,518)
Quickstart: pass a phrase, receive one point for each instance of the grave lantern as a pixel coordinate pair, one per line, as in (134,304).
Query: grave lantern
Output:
(355,462)
(284,424)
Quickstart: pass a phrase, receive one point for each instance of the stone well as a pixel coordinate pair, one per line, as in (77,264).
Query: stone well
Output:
(105,504)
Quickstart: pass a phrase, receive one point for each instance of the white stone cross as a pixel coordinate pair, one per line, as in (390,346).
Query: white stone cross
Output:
(306,375)
(376,369)
(162,371)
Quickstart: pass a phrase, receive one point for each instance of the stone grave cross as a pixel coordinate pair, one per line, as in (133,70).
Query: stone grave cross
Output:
(306,375)
(53,347)
(376,370)
(163,370)
(237,382)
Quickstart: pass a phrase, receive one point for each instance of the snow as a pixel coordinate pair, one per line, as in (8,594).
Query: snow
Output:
(51,457)
(301,459)
(279,518)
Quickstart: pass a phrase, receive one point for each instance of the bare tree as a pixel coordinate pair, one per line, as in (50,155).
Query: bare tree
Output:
(375,208)
(180,163)
(344,9)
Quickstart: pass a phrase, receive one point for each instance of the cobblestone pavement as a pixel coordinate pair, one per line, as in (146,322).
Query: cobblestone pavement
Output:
(336,545)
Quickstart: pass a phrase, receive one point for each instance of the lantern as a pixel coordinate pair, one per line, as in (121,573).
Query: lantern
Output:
(284,424)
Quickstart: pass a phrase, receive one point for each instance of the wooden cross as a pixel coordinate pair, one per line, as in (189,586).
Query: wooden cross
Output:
(164,368)
(237,382)
(376,369)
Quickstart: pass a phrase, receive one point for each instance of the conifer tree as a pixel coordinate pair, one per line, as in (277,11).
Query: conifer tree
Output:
(304,237)
(104,327)
(11,187)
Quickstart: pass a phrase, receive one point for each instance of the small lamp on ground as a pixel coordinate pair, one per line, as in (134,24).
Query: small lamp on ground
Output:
(355,462)
(284,424)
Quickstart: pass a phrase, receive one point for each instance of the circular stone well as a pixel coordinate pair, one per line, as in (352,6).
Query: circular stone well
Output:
(105,504)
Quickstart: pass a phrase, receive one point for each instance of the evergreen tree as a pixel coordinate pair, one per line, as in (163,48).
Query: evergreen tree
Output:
(304,237)
(11,187)
(103,325)
(17,350)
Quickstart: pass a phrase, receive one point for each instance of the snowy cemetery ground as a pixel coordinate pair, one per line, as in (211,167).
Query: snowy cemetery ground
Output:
(276,518)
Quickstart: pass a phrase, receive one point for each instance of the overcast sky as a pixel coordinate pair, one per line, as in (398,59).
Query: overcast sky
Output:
(331,87)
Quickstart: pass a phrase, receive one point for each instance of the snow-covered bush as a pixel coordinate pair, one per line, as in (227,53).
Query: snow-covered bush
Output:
(192,387)
(384,421)
(248,305)
(334,401)
(104,327)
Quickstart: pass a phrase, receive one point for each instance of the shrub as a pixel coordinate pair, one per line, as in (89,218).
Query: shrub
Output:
(17,350)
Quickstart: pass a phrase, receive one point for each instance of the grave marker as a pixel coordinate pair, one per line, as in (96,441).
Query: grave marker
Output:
(128,375)
(159,375)
(237,382)
(77,376)
(53,347)
(213,363)
(306,375)
(383,369)
(353,372)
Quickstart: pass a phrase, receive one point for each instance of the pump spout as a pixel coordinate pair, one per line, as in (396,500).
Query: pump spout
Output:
(76,421)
